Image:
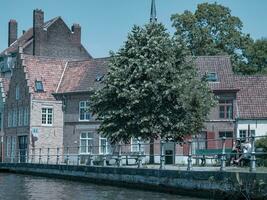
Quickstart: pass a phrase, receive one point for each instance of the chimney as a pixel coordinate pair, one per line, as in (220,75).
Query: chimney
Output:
(12,31)
(76,31)
(38,18)
(38,22)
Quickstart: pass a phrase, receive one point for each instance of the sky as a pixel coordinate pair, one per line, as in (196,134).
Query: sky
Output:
(106,23)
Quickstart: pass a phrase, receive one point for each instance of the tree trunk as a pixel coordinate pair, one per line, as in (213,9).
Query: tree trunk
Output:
(151,151)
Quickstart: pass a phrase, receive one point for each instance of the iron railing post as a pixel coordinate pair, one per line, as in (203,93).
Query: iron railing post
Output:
(162,156)
(48,155)
(119,156)
(139,157)
(40,155)
(67,160)
(57,162)
(223,159)
(189,160)
(252,156)
(104,156)
(33,155)
(78,156)
(90,158)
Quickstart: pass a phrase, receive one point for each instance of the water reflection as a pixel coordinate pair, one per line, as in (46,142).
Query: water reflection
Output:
(23,187)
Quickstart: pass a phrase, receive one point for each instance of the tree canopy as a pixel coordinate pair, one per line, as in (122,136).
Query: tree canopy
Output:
(212,30)
(151,89)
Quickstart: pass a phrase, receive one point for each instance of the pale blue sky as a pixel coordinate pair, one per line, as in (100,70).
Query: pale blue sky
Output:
(105,23)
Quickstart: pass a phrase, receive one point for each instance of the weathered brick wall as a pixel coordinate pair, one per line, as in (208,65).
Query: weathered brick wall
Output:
(58,41)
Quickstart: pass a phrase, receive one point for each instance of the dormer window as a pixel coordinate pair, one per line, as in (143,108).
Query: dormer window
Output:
(99,78)
(39,86)
(211,77)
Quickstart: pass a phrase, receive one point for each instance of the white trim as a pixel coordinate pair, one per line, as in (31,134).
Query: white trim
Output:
(83,120)
(66,64)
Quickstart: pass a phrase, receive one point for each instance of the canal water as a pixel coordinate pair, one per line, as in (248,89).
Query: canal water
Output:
(24,187)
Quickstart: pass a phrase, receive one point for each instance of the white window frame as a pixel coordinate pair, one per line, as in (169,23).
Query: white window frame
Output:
(89,141)
(47,114)
(13,148)
(134,145)
(86,112)
(17,92)
(101,147)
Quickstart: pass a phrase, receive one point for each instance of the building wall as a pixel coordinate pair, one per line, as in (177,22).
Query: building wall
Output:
(260,126)
(57,41)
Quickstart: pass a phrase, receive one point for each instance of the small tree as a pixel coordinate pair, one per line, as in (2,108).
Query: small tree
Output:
(151,89)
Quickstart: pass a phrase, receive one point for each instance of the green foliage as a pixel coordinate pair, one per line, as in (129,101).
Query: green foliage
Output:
(261,143)
(212,30)
(151,89)
(256,54)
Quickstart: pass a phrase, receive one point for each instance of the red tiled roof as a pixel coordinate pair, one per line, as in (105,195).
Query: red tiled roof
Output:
(80,76)
(47,70)
(21,41)
(221,65)
(252,97)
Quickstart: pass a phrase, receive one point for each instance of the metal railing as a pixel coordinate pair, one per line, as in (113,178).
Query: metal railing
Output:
(167,154)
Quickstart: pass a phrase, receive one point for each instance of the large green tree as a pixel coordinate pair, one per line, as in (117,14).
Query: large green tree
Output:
(151,89)
(256,58)
(212,30)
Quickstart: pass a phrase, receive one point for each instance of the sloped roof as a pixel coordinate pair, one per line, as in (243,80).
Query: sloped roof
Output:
(21,41)
(221,65)
(252,97)
(47,70)
(80,76)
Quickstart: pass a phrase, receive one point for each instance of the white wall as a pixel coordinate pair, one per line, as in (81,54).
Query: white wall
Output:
(260,126)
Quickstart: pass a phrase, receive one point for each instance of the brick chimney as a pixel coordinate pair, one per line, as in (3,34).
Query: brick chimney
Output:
(76,31)
(12,31)
(38,22)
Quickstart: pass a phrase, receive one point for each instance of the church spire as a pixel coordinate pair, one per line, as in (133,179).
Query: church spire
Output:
(153,13)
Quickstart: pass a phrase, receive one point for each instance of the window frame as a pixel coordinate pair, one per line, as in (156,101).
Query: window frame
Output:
(225,134)
(87,140)
(101,147)
(225,104)
(46,116)
(25,116)
(39,83)
(134,145)
(85,112)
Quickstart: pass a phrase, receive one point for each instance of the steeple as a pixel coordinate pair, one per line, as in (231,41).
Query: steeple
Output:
(153,13)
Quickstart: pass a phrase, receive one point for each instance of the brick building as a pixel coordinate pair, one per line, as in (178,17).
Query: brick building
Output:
(31,68)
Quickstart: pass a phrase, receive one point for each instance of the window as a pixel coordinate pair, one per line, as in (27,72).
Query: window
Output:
(84,111)
(13,148)
(9,122)
(20,120)
(226,109)
(86,143)
(14,116)
(200,140)
(47,116)
(26,116)
(39,86)
(17,92)
(135,145)
(243,134)
(103,145)
(227,134)
(211,76)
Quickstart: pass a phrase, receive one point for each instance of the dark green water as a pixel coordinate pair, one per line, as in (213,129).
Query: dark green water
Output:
(24,187)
